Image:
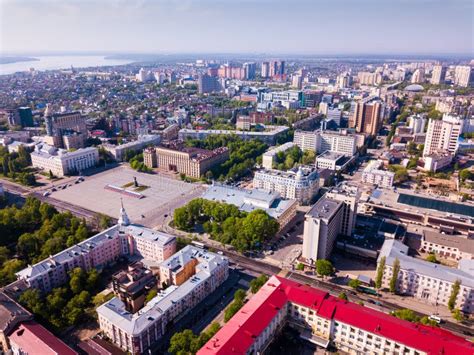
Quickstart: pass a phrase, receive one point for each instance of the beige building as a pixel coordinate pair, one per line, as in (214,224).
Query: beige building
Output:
(368,117)
(442,135)
(455,247)
(192,162)
(462,75)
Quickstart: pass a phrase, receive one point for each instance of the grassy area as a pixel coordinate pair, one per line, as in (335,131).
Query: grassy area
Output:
(141,188)
(128,184)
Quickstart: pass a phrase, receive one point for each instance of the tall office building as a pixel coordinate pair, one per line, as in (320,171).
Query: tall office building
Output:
(343,80)
(277,68)
(265,72)
(349,195)
(442,135)
(321,226)
(207,84)
(367,117)
(462,75)
(438,75)
(297,81)
(66,129)
(250,69)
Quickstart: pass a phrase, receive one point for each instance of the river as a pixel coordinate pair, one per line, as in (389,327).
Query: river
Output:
(60,62)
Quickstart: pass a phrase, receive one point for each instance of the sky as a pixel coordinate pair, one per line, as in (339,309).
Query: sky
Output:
(238,26)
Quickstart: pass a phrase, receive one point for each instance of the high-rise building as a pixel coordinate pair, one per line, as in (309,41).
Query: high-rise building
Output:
(208,84)
(442,135)
(297,81)
(277,68)
(250,70)
(66,129)
(417,124)
(418,76)
(368,78)
(462,75)
(343,80)
(349,195)
(322,225)
(333,113)
(265,71)
(438,75)
(368,116)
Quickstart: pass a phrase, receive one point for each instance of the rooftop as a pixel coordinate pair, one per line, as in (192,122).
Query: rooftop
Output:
(324,208)
(454,241)
(238,335)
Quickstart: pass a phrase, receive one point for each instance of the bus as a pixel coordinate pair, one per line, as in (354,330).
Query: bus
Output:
(367,290)
(198,244)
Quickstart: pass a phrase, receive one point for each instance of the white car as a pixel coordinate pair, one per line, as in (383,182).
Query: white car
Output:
(435,318)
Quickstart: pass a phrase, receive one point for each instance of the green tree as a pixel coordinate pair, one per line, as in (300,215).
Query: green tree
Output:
(324,267)
(354,283)
(432,258)
(300,267)
(10,267)
(394,279)
(343,296)
(405,314)
(77,280)
(240,295)
(233,308)
(32,300)
(380,271)
(458,315)
(454,294)
(257,283)
(150,295)
(180,343)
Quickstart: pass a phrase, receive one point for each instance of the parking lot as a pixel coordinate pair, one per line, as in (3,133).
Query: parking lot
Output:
(161,195)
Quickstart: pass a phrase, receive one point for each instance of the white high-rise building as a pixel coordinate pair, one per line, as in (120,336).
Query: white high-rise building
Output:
(438,75)
(442,135)
(462,75)
(349,195)
(334,114)
(418,76)
(321,226)
(417,124)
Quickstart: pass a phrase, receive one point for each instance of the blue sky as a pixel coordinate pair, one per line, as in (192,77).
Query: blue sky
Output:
(215,26)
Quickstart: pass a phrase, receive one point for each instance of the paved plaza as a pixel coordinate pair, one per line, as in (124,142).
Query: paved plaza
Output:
(162,196)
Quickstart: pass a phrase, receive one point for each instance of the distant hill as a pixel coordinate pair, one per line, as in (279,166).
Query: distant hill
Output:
(8,60)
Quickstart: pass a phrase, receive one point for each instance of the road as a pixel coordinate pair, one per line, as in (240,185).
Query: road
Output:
(375,303)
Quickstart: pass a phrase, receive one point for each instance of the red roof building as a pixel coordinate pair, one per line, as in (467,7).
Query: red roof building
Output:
(33,338)
(351,327)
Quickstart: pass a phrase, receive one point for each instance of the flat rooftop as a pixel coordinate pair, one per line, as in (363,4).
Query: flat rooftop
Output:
(324,208)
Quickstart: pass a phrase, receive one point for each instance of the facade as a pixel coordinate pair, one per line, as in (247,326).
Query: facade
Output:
(268,158)
(321,141)
(424,280)
(454,247)
(321,226)
(149,157)
(323,319)
(123,239)
(59,126)
(299,184)
(11,315)
(118,151)
(193,162)
(435,162)
(368,78)
(208,84)
(139,332)
(334,114)
(443,135)
(132,285)
(349,195)
(374,175)
(61,162)
(368,116)
(331,160)
(417,124)
(438,75)
(250,200)
(268,136)
(462,75)
(418,76)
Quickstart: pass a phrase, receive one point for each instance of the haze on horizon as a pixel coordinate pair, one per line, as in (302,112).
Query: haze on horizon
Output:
(245,26)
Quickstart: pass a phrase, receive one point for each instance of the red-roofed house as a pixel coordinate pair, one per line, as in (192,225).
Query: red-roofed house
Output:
(33,338)
(323,319)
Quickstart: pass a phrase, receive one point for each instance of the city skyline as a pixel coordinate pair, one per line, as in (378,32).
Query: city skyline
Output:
(164,27)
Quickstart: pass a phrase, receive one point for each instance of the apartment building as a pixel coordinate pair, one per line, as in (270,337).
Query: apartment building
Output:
(374,175)
(61,162)
(320,141)
(438,75)
(193,162)
(323,319)
(122,239)
(429,282)
(462,75)
(443,135)
(300,183)
(143,140)
(321,226)
(139,332)
(268,158)
(454,247)
(66,129)
(368,116)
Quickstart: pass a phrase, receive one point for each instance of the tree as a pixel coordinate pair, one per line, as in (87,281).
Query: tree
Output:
(240,295)
(150,295)
(180,343)
(354,283)
(233,308)
(32,300)
(394,279)
(4,253)
(77,280)
(324,267)
(343,296)
(426,321)
(300,267)
(10,267)
(92,280)
(257,283)
(454,294)
(405,314)
(432,258)
(380,271)
(458,315)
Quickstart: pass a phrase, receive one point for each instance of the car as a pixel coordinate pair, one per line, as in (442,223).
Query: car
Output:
(54,189)
(220,252)
(47,193)
(166,215)
(435,318)
(371,301)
